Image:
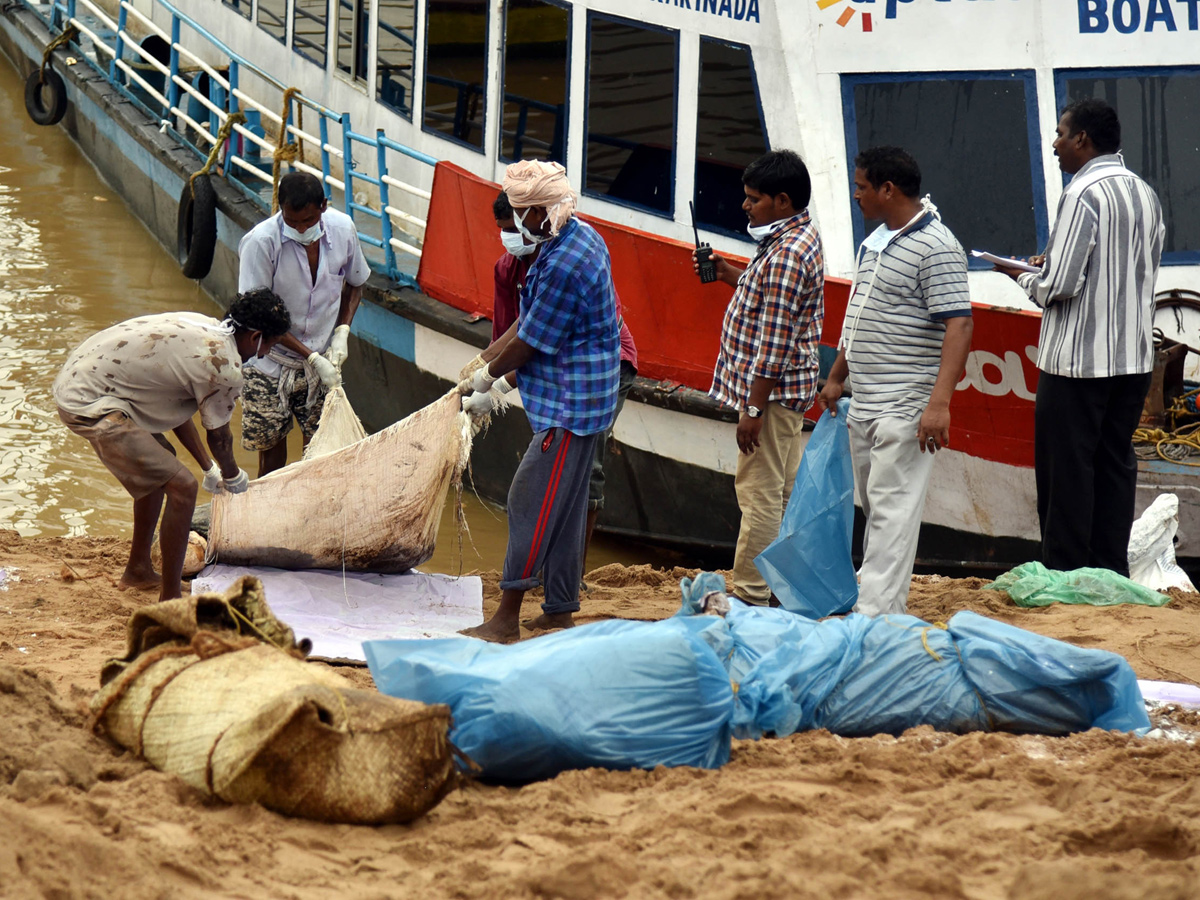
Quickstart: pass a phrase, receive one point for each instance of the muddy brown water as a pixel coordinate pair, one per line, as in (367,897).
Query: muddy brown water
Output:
(74,260)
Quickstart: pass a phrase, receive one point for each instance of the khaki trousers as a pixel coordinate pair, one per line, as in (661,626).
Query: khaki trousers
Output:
(763,484)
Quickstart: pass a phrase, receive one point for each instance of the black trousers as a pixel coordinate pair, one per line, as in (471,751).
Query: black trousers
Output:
(1086,469)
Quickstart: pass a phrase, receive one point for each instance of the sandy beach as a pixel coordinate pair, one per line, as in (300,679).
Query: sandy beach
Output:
(923,815)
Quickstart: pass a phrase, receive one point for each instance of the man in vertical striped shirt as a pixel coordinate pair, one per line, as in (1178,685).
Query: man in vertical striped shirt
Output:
(904,344)
(1096,350)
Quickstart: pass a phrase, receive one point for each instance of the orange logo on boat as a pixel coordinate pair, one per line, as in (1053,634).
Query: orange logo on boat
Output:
(847,14)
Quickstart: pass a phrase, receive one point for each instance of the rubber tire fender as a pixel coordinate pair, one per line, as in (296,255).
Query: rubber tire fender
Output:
(38,89)
(197,227)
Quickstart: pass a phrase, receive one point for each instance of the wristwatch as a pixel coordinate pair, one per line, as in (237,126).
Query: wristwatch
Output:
(754,412)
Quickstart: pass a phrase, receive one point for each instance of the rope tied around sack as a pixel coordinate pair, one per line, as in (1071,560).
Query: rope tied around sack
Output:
(285,150)
(925,638)
(942,626)
(222,136)
(69,33)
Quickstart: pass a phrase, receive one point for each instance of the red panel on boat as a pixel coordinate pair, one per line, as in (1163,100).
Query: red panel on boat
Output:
(676,321)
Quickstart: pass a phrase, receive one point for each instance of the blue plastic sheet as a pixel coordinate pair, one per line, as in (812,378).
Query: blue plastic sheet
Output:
(809,567)
(613,694)
(860,676)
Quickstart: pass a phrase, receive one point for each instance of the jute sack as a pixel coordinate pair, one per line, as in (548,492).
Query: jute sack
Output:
(339,426)
(372,506)
(238,713)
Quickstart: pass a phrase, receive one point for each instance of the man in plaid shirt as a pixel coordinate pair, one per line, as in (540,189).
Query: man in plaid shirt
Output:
(767,367)
(566,353)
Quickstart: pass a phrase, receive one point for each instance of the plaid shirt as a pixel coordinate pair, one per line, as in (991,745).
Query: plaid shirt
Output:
(569,316)
(773,322)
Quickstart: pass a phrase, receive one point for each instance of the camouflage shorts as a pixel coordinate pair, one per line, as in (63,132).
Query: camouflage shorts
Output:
(264,424)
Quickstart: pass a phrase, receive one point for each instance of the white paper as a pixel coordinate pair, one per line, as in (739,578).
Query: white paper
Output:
(337,613)
(1004,261)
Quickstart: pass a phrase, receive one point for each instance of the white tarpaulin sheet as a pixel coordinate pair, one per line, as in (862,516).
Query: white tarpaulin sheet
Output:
(338,612)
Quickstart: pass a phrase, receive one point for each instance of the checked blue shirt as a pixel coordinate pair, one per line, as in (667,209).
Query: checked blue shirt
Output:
(569,316)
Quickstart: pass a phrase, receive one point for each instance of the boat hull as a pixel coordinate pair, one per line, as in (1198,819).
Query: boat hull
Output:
(670,475)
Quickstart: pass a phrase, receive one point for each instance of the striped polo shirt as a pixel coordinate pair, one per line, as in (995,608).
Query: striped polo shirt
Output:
(1097,284)
(895,320)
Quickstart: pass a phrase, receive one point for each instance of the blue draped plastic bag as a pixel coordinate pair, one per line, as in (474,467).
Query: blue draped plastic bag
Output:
(614,694)
(808,566)
(860,676)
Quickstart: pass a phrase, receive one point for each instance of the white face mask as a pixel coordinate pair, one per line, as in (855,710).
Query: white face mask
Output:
(515,244)
(519,220)
(305,237)
(762,232)
(879,238)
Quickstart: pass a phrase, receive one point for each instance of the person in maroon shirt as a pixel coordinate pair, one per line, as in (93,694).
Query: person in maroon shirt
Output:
(510,272)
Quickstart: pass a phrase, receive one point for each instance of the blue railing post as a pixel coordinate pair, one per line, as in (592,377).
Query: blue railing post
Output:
(70,9)
(235,139)
(323,132)
(389,252)
(347,166)
(173,87)
(113,72)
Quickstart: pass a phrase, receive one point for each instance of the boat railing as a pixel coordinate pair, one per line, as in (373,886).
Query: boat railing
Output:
(389,210)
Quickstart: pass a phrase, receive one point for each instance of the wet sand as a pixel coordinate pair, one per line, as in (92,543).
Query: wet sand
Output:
(925,815)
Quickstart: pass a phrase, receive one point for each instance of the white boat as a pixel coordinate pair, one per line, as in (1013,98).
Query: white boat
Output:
(651,104)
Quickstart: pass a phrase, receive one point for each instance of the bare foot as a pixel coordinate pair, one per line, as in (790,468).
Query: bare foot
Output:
(546,622)
(140,580)
(495,632)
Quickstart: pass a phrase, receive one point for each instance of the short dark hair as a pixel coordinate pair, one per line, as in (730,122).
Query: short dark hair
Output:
(780,172)
(501,208)
(884,164)
(300,189)
(1099,121)
(262,310)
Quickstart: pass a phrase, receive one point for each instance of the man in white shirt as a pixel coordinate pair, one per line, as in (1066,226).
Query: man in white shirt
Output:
(310,256)
(1096,351)
(125,386)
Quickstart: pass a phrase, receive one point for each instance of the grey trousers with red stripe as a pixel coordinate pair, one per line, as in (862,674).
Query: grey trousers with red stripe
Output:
(547,518)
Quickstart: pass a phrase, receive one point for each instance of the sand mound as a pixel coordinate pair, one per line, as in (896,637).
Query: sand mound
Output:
(986,816)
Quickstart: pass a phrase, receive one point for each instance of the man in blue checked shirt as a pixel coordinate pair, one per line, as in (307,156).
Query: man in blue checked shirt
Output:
(567,357)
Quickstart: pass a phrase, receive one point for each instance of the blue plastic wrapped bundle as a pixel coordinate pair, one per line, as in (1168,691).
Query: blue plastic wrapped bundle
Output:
(859,676)
(808,566)
(614,694)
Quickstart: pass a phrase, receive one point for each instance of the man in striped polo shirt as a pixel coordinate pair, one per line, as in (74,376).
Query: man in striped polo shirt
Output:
(904,344)
(1096,351)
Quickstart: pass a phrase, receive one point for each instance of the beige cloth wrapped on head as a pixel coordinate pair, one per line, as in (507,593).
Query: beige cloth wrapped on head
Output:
(531,183)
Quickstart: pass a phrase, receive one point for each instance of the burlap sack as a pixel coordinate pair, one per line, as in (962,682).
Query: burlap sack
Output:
(372,506)
(250,721)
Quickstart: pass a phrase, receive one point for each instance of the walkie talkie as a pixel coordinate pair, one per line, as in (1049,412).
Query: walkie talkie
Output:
(704,261)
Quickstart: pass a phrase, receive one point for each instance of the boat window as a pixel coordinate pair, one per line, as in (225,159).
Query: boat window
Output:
(241,6)
(1160,132)
(632,76)
(971,134)
(308,29)
(353,20)
(272,18)
(729,133)
(536,36)
(394,65)
(456,68)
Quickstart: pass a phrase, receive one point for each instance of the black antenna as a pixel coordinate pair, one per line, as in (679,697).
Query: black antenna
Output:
(695,230)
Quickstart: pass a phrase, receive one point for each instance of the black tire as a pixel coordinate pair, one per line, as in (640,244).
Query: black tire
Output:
(45,98)
(197,227)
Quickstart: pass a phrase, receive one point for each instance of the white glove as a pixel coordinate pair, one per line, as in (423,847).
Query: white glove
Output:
(338,349)
(479,404)
(502,385)
(469,369)
(482,380)
(326,371)
(238,483)
(212,479)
